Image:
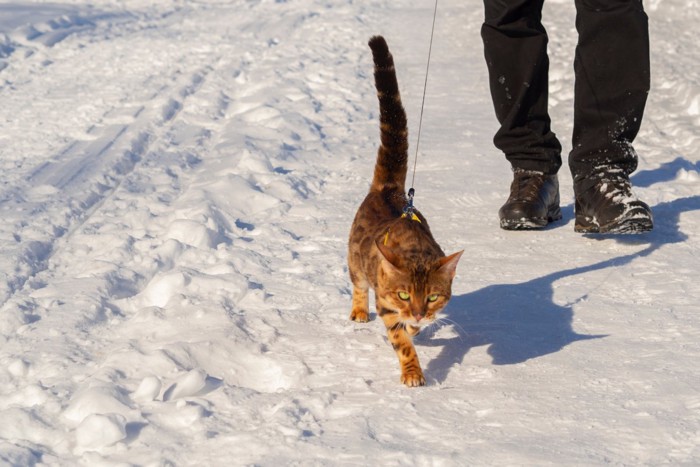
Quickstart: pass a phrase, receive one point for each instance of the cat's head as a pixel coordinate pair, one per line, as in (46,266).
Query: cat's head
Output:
(415,289)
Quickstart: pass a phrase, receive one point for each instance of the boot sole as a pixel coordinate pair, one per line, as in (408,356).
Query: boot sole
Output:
(635,221)
(533,223)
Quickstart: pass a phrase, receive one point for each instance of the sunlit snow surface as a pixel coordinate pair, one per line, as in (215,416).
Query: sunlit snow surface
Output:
(177,181)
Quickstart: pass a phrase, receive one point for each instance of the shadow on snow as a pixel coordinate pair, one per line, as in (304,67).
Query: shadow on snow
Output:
(521,321)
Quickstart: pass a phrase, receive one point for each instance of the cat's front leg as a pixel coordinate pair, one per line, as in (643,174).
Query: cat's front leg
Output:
(360,290)
(411,372)
(360,305)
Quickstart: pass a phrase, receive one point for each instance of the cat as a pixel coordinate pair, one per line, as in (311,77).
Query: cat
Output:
(390,250)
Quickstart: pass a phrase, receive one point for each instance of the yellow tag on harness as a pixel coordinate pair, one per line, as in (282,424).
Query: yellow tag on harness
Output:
(413,216)
(403,216)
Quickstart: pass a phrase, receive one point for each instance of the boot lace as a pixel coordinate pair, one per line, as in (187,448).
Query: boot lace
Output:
(527,185)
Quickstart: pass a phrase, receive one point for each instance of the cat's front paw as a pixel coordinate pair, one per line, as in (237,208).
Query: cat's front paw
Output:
(413,379)
(359,315)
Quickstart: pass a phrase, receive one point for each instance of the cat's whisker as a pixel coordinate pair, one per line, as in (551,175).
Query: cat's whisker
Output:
(431,327)
(455,324)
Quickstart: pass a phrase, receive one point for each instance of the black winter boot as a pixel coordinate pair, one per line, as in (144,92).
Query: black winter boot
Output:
(533,201)
(605,204)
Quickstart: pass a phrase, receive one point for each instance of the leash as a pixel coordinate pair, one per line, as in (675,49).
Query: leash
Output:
(408,210)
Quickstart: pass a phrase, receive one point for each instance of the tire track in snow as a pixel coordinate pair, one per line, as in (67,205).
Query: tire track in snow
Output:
(260,191)
(154,277)
(85,178)
(64,192)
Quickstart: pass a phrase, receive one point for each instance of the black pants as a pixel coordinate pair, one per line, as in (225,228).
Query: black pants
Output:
(612,82)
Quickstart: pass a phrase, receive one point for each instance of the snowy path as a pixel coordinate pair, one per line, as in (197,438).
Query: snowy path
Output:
(177,184)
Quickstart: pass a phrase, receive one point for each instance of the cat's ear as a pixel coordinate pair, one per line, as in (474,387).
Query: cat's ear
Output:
(448,264)
(390,260)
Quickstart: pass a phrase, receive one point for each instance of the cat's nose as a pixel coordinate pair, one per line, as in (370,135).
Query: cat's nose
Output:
(418,316)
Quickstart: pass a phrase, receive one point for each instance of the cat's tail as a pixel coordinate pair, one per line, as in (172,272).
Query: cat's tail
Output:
(392,157)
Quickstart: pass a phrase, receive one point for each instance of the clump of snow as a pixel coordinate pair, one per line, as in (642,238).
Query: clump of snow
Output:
(100,430)
(148,390)
(187,385)
(104,399)
(688,176)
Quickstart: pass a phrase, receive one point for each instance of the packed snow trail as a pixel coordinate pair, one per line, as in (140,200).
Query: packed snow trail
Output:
(177,185)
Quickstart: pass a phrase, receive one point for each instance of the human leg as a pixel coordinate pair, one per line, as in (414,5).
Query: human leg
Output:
(612,82)
(515,48)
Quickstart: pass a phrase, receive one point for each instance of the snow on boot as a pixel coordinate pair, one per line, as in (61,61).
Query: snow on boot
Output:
(605,204)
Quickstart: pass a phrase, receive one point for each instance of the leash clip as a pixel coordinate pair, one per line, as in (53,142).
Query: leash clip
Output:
(408,209)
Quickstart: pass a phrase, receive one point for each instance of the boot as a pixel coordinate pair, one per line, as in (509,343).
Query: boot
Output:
(533,201)
(605,204)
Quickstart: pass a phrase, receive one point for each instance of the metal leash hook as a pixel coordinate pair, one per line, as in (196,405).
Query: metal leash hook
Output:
(408,209)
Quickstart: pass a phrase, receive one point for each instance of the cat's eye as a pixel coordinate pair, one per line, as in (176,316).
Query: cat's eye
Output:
(404,296)
(432,298)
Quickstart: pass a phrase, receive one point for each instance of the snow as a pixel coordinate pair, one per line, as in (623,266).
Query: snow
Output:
(177,184)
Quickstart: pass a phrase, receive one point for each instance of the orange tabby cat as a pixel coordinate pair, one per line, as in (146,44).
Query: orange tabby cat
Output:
(392,252)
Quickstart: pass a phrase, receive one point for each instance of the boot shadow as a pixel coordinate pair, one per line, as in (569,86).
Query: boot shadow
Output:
(665,173)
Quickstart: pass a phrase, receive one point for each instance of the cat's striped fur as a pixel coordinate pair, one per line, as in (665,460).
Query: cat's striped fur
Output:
(394,255)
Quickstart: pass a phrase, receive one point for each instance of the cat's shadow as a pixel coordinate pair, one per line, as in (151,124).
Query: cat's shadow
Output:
(519,322)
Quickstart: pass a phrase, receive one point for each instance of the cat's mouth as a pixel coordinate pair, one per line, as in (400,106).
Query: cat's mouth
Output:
(420,322)
(413,326)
